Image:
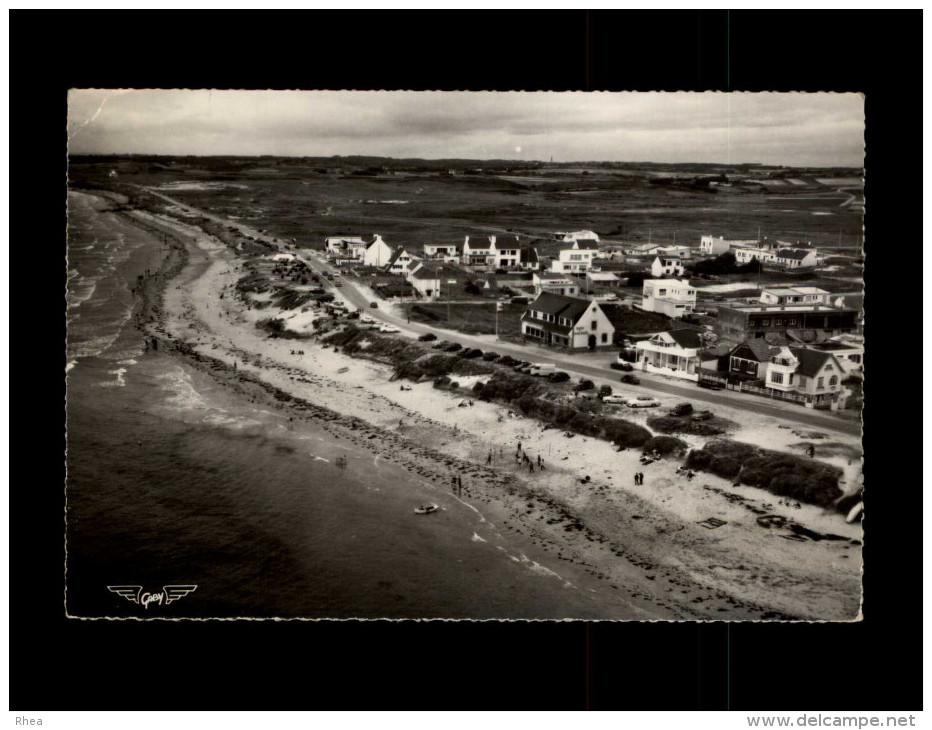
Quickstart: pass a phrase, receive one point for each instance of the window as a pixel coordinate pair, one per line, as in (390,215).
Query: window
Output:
(833,381)
(776,377)
(604,337)
(595,325)
(820,383)
(661,292)
(854,358)
(792,322)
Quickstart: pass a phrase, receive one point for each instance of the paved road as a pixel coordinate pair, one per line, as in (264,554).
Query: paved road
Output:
(593,366)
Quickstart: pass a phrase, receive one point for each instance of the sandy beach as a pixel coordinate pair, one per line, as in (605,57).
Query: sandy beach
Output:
(603,534)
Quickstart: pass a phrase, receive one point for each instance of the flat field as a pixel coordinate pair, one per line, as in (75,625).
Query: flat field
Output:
(294,200)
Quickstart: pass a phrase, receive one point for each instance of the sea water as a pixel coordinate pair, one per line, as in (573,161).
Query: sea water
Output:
(174,479)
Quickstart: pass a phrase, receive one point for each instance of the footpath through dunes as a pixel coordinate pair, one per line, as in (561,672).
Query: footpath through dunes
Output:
(656,561)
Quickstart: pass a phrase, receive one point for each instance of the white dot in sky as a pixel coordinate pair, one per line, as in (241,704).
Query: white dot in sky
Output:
(517,149)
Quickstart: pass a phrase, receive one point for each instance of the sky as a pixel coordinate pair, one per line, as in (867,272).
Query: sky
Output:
(795,129)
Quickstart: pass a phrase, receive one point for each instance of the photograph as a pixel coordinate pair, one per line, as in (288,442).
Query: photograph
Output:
(464,355)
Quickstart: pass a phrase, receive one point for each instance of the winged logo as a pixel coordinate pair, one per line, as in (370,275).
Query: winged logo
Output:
(173,593)
(130,593)
(169,594)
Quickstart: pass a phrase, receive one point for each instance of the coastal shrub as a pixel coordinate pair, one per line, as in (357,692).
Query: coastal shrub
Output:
(453,347)
(489,356)
(673,424)
(584,384)
(725,467)
(699,460)
(442,381)
(665,445)
(472,354)
(558,377)
(786,475)
(507,361)
(625,433)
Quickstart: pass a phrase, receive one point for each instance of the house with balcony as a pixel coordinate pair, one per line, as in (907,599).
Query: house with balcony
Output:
(672,297)
(663,266)
(478,251)
(446,252)
(804,322)
(568,322)
(575,260)
(807,376)
(550,283)
(674,353)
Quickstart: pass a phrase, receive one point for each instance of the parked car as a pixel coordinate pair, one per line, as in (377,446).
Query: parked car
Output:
(374,305)
(630,380)
(620,399)
(711,384)
(682,409)
(703,416)
(621,365)
(642,401)
(338,284)
(389,328)
(428,337)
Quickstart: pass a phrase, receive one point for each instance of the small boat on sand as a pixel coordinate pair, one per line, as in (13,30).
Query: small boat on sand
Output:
(426,509)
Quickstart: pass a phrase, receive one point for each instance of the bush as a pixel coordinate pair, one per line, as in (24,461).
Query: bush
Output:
(672,424)
(725,467)
(584,384)
(489,356)
(605,390)
(558,377)
(508,361)
(453,347)
(441,382)
(665,445)
(471,354)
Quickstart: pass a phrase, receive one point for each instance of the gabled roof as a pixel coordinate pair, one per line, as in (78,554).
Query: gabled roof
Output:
(506,241)
(436,272)
(586,243)
(371,243)
(810,361)
(761,351)
(560,306)
(686,338)
(529,255)
(792,253)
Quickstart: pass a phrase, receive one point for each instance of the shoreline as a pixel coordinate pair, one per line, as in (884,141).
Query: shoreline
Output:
(600,532)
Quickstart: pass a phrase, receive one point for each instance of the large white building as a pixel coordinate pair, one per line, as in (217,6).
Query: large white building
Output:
(717,245)
(548,282)
(577,259)
(672,297)
(369,250)
(673,353)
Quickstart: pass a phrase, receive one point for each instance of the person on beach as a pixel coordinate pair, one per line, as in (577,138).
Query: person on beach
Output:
(635,478)
(489,460)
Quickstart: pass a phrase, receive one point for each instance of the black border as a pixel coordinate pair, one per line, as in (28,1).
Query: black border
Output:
(72,665)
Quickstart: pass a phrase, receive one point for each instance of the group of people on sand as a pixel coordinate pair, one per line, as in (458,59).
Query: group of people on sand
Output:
(680,470)
(638,478)
(521,458)
(790,503)
(297,352)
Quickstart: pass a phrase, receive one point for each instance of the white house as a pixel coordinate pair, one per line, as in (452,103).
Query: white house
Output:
(813,377)
(794,295)
(576,235)
(551,283)
(746,255)
(717,245)
(795,258)
(354,247)
(602,278)
(401,261)
(575,259)
(576,324)
(445,252)
(673,353)
(432,280)
(850,355)
(377,253)
(667,267)
(672,297)
(507,252)
(479,251)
